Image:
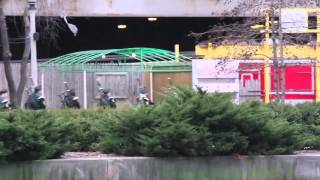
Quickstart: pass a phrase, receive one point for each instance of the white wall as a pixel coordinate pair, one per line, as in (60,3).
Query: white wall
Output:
(219,85)
(216,76)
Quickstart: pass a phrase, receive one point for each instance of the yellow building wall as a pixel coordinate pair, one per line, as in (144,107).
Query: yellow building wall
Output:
(254,52)
(264,52)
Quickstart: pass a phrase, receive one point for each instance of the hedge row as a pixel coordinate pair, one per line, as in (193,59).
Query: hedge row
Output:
(194,123)
(185,123)
(28,135)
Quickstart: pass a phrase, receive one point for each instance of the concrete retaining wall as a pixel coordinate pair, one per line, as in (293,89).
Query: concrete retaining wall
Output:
(211,168)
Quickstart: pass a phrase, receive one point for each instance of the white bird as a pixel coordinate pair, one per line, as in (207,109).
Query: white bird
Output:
(73,28)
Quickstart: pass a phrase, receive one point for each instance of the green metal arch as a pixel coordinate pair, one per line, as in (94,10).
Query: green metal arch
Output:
(150,57)
(143,55)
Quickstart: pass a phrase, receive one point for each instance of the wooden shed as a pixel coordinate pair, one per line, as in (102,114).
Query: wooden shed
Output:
(122,70)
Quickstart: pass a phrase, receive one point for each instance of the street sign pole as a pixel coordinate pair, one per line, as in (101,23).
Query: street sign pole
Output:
(32,4)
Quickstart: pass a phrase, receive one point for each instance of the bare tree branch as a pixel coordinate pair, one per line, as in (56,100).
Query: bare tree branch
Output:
(6,54)
(25,58)
(242,33)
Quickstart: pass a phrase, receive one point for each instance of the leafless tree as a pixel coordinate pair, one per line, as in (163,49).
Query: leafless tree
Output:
(50,27)
(242,33)
(6,54)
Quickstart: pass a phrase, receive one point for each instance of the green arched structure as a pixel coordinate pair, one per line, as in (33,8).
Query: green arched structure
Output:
(145,60)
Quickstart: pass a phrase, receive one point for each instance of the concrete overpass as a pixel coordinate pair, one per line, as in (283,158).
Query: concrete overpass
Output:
(145,8)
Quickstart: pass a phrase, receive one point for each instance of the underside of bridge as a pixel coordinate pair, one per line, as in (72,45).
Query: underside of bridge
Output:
(145,8)
(102,33)
(97,21)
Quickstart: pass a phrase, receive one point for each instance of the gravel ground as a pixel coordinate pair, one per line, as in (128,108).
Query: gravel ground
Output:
(73,155)
(307,152)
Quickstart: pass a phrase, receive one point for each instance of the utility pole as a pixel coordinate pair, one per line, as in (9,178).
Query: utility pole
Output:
(283,79)
(275,59)
(32,7)
(318,55)
(267,77)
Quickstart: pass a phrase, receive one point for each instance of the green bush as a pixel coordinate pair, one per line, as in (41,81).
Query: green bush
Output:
(307,117)
(121,134)
(185,122)
(26,135)
(195,123)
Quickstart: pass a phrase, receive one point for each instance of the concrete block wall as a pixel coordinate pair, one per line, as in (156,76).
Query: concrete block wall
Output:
(143,168)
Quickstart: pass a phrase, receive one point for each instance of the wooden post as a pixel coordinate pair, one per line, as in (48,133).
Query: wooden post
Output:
(42,83)
(210,53)
(177,52)
(151,84)
(85,100)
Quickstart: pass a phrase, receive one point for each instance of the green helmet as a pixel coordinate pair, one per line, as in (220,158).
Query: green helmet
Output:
(106,90)
(37,89)
(143,90)
(3,91)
